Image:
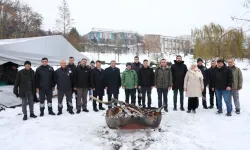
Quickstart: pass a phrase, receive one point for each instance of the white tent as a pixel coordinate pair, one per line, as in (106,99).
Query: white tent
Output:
(55,48)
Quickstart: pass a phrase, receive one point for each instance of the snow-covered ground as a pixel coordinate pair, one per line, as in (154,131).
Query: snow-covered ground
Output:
(204,130)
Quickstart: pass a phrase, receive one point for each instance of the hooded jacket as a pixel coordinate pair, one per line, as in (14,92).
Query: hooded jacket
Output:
(129,79)
(179,70)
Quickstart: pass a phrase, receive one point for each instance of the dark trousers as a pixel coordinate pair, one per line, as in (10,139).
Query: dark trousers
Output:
(139,96)
(68,106)
(204,98)
(48,94)
(131,93)
(100,97)
(162,92)
(181,91)
(60,95)
(28,99)
(109,99)
(211,95)
(145,90)
(192,103)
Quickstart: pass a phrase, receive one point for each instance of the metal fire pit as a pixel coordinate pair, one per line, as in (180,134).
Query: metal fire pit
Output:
(151,121)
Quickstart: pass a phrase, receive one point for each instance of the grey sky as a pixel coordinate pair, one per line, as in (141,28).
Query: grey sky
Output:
(166,17)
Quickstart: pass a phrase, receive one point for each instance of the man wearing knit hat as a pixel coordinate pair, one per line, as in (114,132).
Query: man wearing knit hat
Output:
(204,72)
(25,89)
(129,83)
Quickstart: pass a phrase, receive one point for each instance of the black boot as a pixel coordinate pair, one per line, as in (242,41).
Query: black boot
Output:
(95,109)
(237,111)
(41,112)
(51,111)
(229,114)
(59,111)
(25,117)
(182,108)
(85,110)
(219,112)
(175,109)
(194,111)
(33,115)
(78,111)
(166,109)
(211,107)
(101,108)
(71,112)
(188,111)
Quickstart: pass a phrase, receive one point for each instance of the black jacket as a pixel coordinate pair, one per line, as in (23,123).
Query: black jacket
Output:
(204,72)
(71,67)
(179,70)
(222,78)
(25,82)
(97,81)
(63,79)
(136,67)
(211,72)
(82,77)
(112,80)
(45,77)
(146,77)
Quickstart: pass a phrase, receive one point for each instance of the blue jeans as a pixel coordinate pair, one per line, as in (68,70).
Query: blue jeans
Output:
(227,98)
(90,92)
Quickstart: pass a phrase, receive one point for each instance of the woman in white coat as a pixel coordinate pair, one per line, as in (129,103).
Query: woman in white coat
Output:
(193,86)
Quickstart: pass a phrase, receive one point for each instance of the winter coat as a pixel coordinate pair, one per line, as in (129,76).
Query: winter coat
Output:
(44,77)
(237,78)
(82,77)
(211,72)
(71,67)
(146,77)
(97,81)
(193,82)
(222,78)
(25,82)
(63,79)
(204,72)
(179,70)
(129,79)
(112,80)
(136,67)
(163,77)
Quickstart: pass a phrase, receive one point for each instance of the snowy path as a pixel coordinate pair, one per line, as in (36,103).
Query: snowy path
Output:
(87,131)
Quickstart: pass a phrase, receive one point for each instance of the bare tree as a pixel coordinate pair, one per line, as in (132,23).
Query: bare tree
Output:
(64,22)
(151,44)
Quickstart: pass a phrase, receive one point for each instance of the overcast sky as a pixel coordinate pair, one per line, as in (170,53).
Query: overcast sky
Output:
(165,17)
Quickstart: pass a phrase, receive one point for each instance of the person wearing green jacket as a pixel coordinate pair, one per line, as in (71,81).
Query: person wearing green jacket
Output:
(237,84)
(129,83)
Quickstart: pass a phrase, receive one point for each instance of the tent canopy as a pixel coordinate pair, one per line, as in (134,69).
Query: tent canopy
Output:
(55,48)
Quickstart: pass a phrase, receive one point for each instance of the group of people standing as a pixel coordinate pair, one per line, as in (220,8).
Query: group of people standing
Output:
(137,78)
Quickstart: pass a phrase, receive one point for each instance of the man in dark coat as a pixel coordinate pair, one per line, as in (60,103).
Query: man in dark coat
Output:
(146,82)
(25,88)
(71,67)
(211,72)
(204,72)
(63,80)
(97,81)
(136,66)
(92,66)
(222,81)
(112,81)
(179,70)
(45,85)
(82,83)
